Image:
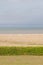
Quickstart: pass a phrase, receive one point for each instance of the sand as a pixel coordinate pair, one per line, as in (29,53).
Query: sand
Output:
(21,60)
(21,39)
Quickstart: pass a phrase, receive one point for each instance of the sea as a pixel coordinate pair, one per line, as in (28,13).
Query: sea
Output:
(20,30)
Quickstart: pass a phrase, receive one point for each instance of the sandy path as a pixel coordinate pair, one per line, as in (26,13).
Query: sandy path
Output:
(21,39)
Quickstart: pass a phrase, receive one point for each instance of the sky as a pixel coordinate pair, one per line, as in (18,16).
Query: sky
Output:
(21,12)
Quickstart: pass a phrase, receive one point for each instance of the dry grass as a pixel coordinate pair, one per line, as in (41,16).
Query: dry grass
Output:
(21,60)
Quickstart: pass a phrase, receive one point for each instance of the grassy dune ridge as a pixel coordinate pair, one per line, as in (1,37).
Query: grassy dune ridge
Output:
(21,51)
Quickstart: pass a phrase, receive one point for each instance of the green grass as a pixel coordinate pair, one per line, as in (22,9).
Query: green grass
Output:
(21,51)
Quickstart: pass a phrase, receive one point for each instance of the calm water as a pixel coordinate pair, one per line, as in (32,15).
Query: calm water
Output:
(23,30)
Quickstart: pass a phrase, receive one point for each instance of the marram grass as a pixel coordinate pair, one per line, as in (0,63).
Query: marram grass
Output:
(21,51)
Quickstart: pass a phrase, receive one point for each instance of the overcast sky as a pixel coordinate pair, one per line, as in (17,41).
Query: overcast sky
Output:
(21,12)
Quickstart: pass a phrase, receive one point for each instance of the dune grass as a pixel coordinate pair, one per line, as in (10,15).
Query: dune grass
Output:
(21,51)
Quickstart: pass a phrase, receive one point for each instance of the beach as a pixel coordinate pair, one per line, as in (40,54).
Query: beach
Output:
(21,39)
